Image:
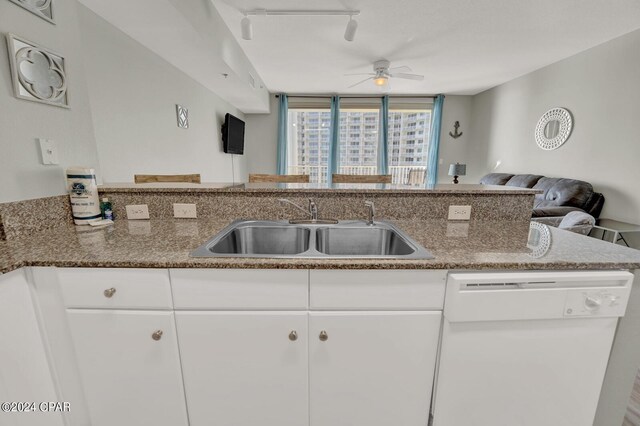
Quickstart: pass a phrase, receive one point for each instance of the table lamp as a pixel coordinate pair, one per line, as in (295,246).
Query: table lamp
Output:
(456,170)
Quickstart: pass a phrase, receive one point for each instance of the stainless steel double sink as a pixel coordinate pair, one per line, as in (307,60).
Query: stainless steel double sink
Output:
(280,239)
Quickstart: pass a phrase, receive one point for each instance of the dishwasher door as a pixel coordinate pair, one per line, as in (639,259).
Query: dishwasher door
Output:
(526,349)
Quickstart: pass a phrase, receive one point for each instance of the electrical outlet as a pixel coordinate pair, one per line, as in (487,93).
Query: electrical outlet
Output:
(459,212)
(137,211)
(184,211)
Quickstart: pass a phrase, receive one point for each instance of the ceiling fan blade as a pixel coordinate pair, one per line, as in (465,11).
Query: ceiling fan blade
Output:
(403,68)
(362,73)
(408,76)
(360,82)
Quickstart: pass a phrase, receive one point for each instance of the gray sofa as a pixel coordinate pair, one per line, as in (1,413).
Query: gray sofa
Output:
(560,196)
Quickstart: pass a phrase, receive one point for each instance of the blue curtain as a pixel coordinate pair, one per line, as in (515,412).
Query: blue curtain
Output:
(383,137)
(333,163)
(434,141)
(283,123)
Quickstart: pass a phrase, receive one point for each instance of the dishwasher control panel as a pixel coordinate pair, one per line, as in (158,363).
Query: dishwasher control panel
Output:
(596,302)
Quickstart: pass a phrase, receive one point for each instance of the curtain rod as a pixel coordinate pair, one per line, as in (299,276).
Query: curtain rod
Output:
(362,97)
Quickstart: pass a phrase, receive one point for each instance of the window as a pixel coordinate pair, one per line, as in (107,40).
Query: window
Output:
(359,120)
(408,135)
(308,126)
(308,137)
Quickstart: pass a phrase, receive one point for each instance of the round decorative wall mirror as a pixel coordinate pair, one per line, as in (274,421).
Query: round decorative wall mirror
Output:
(553,128)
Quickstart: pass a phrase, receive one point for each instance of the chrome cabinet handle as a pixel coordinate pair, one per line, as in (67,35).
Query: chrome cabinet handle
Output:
(323,336)
(157,335)
(109,292)
(293,336)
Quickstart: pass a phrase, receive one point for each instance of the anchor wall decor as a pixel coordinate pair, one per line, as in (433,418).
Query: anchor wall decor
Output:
(456,134)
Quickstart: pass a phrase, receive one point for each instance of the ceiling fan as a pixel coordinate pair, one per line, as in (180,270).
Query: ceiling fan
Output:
(382,73)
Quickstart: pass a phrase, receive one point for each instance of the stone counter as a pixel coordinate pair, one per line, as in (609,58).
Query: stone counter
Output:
(475,245)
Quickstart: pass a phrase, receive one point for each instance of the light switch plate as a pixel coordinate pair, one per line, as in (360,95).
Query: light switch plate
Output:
(184,211)
(48,151)
(137,211)
(459,212)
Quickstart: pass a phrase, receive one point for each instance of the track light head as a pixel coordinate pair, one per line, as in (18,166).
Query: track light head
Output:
(247,28)
(350,32)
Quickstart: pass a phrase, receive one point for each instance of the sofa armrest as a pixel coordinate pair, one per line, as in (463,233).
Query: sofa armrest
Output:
(554,211)
(548,220)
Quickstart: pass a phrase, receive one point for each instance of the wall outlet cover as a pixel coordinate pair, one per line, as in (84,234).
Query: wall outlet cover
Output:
(184,211)
(459,212)
(137,211)
(48,151)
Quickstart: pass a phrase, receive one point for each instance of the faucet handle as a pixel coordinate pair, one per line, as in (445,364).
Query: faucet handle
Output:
(372,211)
(313,209)
(370,204)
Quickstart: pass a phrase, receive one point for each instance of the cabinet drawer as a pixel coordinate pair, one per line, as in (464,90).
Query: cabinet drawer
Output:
(115,288)
(377,289)
(240,288)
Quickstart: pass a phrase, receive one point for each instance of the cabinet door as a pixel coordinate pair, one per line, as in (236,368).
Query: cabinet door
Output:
(131,376)
(372,368)
(245,368)
(24,369)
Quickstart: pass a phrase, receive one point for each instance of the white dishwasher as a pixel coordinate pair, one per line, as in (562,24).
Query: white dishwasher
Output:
(526,348)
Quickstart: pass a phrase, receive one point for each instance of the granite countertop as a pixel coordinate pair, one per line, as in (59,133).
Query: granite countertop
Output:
(361,188)
(455,245)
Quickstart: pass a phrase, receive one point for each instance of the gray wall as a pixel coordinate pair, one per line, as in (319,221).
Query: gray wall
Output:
(22,122)
(133,93)
(262,129)
(601,87)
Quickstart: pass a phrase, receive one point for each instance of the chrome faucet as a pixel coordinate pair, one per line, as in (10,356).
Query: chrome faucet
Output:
(312,211)
(371,210)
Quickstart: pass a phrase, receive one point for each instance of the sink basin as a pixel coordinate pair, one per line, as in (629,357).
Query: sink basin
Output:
(280,239)
(370,241)
(263,239)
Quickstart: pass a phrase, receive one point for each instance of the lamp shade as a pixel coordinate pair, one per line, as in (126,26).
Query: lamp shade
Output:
(457,169)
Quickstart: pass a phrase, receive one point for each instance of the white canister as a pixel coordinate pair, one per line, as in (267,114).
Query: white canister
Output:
(83,192)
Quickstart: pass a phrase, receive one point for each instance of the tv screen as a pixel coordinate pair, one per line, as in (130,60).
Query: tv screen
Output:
(233,135)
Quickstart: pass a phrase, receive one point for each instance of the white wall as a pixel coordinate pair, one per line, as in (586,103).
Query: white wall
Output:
(133,93)
(21,121)
(262,129)
(601,87)
(261,134)
(456,108)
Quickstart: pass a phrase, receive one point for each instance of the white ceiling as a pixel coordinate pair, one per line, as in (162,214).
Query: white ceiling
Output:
(461,46)
(191,35)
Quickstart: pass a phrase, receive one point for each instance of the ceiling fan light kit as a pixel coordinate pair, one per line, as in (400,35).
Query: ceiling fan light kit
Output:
(382,73)
(349,33)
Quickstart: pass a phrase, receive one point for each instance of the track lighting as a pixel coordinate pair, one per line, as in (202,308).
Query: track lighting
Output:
(247,28)
(350,32)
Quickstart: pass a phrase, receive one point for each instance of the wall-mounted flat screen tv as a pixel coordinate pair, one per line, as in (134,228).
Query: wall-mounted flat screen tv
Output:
(233,135)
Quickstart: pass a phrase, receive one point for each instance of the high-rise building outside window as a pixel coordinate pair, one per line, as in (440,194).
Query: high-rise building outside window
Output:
(408,139)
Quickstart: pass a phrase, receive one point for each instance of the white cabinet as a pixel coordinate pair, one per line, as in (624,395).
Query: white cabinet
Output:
(253,353)
(245,368)
(25,375)
(130,367)
(372,368)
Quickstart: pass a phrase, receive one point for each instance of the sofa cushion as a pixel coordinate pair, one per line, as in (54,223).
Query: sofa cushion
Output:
(524,181)
(562,192)
(496,179)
